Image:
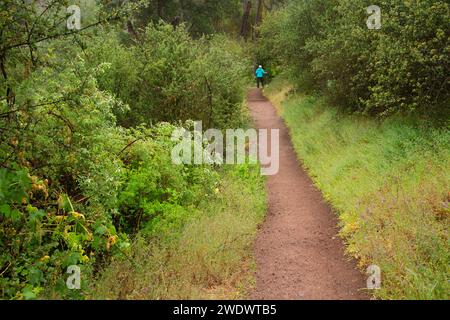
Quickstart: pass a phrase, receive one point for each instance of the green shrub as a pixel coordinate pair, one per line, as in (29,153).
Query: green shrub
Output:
(170,77)
(401,68)
(157,195)
(208,257)
(61,152)
(79,176)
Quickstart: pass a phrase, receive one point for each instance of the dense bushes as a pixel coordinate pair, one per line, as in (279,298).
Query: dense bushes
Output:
(209,256)
(63,141)
(112,197)
(201,17)
(386,179)
(403,67)
(168,76)
(75,185)
(157,195)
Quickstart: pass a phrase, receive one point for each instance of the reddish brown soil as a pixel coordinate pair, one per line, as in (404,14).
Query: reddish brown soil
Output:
(298,253)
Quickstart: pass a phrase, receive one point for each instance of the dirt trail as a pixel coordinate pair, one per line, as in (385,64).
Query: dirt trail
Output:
(298,253)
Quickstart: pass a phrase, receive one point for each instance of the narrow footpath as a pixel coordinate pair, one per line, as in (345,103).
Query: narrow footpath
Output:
(298,253)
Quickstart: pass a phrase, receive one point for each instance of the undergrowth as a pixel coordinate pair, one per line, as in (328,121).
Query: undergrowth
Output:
(210,257)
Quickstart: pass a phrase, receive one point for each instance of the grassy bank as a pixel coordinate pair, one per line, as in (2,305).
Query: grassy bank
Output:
(210,257)
(389,183)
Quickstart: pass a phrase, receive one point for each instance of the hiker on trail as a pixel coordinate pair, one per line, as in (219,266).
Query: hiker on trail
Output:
(260,72)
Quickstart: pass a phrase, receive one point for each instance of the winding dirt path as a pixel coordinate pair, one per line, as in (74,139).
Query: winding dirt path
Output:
(298,253)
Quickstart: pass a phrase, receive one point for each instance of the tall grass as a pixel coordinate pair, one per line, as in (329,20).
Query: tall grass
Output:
(211,258)
(389,183)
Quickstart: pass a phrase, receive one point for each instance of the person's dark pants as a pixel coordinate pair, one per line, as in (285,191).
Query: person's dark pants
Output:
(260,81)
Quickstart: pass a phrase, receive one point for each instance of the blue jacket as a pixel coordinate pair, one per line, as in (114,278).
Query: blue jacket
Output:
(260,72)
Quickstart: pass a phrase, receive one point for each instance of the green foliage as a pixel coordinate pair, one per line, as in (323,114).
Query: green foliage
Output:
(60,134)
(200,17)
(40,237)
(79,176)
(170,77)
(401,68)
(208,257)
(159,196)
(285,34)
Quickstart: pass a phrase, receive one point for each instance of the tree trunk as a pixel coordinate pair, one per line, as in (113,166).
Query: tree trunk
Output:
(131,30)
(259,9)
(244,26)
(159,8)
(258,18)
